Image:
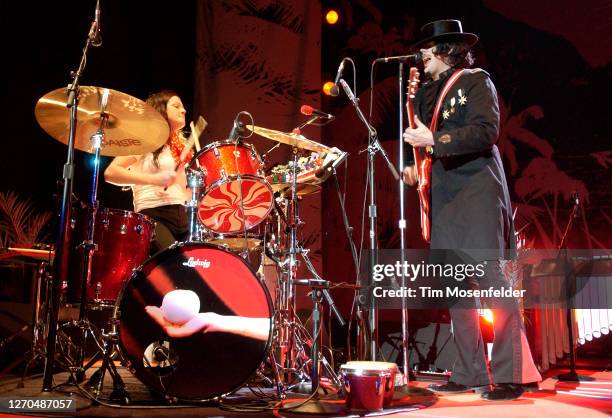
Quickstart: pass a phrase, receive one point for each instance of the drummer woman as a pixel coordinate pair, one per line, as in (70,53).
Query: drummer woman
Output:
(158,179)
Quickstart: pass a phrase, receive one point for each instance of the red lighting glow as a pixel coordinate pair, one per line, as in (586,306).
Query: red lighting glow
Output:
(487,314)
(331,17)
(327,87)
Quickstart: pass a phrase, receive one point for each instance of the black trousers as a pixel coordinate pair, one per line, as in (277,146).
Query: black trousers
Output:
(511,360)
(170,225)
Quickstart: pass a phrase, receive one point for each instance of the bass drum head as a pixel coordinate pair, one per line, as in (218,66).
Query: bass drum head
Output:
(204,365)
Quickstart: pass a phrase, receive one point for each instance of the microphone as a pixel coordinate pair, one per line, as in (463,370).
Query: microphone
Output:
(309,111)
(334,90)
(401,58)
(161,353)
(236,131)
(94,33)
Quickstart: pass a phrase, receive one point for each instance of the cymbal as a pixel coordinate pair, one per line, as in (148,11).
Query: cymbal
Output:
(133,127)
(303,189)
(294,140)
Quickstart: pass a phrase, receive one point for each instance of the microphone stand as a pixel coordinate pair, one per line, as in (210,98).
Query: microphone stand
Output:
(405,389)
(373,148)
(61,246)
(402,222)
(570,290)
(402,189)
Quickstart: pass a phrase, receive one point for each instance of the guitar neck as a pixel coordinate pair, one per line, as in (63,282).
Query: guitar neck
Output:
(418,158)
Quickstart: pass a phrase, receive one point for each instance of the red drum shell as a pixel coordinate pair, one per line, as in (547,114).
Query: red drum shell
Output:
(369,385)
(123,239)
(222,159)
(233,181)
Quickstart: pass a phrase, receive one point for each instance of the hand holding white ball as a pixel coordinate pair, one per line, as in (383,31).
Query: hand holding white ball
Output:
(180,306)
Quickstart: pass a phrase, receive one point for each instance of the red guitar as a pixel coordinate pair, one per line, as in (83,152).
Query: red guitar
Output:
(422,160)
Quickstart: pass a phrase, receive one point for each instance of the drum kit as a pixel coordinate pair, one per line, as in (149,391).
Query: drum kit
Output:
(197,320)
(240,260)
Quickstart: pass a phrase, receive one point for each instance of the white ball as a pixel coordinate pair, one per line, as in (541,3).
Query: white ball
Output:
(179,306)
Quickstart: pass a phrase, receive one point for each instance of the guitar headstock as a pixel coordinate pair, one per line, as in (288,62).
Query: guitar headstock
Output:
(413,82)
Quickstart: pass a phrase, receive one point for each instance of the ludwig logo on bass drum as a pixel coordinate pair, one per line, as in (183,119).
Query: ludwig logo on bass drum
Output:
(194,262)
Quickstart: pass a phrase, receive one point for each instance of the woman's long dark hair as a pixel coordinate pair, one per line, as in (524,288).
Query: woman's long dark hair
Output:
(159,102)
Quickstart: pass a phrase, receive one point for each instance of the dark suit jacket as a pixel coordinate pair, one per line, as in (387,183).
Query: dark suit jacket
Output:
(470,202)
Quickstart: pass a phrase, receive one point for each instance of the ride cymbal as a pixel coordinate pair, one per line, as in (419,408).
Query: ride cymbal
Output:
(294,140)
(132,127)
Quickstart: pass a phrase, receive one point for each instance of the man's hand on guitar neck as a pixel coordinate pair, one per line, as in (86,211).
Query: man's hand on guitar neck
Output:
(420,136)
(409,175)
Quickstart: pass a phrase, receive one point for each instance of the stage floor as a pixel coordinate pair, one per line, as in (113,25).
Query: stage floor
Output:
(580,400)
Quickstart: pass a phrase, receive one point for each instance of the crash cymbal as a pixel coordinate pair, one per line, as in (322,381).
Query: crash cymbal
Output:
(133,126)
(294,140)
(303,189)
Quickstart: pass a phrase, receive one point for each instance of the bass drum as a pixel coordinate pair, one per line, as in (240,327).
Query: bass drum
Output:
(203,365)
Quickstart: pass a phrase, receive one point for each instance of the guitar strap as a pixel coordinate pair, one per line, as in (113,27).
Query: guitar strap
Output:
(425,167)
(449,83)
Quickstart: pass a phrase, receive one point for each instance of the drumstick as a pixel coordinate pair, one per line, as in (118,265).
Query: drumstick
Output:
(196,131)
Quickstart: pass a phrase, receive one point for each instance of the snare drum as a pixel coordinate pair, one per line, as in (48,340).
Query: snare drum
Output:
(123,239)
(237,195)
(204,365)
(369,385)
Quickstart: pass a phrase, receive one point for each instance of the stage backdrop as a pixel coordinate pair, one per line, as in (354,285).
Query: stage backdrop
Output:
(554,88)
(264,58)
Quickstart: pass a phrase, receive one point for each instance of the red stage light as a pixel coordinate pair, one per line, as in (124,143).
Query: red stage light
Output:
(487,314)
(327,87)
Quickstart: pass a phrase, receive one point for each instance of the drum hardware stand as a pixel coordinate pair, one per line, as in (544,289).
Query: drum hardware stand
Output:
(61,247)
(194,182)
(88,246)
(39,330)
(96,381)
(291,343)
(319,290)
(373,148)
(313,405)
(286,303)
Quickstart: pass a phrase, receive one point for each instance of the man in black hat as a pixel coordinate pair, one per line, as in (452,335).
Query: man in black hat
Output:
(470,205)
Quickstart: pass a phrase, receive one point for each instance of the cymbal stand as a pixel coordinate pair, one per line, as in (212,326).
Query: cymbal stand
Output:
(88,246)
(106,342)
(288,350)
(61,246)
(293,338)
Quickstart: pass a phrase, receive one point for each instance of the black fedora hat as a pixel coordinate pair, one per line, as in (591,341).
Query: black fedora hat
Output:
(448,30)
